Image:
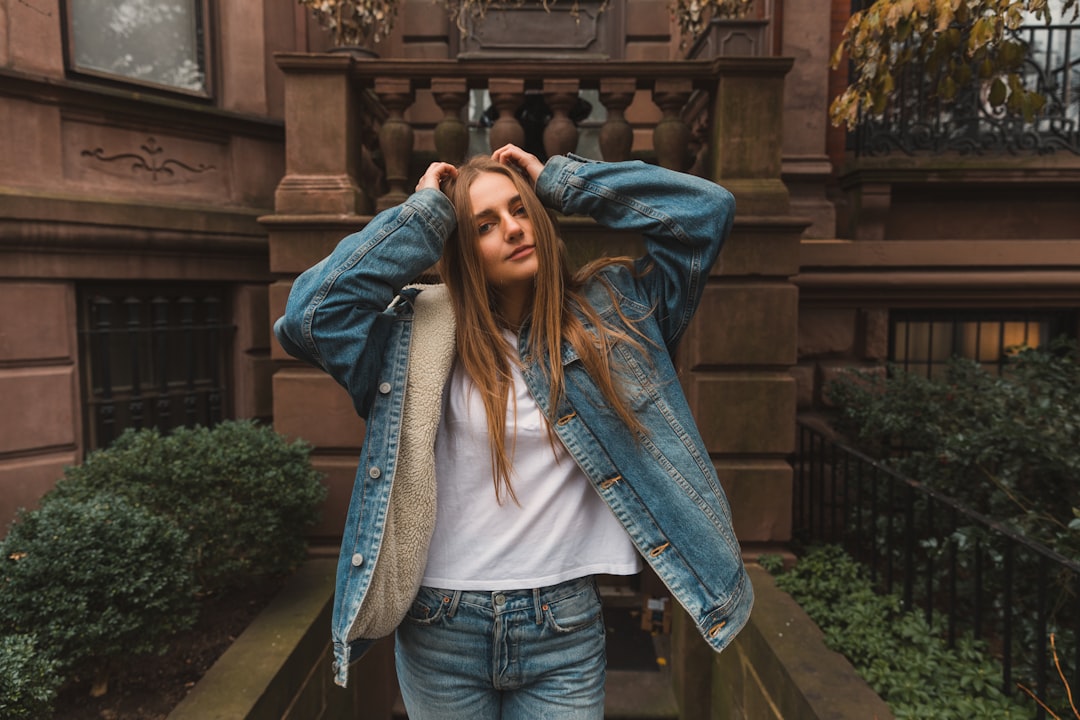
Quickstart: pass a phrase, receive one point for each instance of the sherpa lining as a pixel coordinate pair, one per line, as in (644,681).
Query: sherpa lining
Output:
(410,517)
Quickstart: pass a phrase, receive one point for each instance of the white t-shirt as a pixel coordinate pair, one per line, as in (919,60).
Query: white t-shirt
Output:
(561,530)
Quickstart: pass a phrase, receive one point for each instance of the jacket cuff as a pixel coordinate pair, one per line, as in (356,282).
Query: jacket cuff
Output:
(553,182)
(436,209)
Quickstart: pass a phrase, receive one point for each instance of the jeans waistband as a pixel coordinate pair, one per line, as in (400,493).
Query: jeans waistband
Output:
(505,601)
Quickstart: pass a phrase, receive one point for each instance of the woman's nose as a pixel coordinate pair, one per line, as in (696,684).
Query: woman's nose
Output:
(512,228)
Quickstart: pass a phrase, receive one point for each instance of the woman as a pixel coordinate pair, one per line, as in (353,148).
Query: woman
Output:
(548,409)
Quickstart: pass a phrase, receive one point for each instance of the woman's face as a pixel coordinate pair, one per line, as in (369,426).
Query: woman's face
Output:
(504,232)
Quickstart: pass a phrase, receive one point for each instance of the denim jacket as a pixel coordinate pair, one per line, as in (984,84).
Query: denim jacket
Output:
(391,347)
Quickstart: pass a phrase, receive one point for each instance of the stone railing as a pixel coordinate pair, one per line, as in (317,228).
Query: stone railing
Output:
(730,108)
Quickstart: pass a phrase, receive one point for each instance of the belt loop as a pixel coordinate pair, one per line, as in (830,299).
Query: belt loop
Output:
(536,606)
(454,600)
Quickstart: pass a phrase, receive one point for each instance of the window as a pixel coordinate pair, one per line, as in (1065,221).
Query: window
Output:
(152,357)
(924,341)
(149,42)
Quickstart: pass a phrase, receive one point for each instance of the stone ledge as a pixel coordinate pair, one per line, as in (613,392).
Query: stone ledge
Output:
(779,668)
(271,661)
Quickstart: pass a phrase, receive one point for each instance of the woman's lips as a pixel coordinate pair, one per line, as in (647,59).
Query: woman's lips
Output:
(523,251)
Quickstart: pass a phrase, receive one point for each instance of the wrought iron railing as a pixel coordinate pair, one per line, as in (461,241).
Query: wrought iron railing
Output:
(968,573)
(153,361)
(918,121)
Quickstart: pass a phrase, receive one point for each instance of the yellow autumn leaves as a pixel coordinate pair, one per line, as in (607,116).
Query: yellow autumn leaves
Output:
(959,40)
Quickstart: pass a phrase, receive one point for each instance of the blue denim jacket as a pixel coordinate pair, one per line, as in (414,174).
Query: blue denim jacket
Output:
(350,316)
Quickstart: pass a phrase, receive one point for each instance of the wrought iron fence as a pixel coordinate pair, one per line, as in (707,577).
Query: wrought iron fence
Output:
(152,359)
(967,573)
(920,121)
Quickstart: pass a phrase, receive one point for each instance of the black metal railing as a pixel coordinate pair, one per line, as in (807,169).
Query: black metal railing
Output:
(968,574)
(919,121)
(152,360)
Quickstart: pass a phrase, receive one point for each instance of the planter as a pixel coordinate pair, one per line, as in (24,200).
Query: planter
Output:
(280,667)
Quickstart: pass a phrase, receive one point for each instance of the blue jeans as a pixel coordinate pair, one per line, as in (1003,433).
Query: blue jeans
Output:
(512,655)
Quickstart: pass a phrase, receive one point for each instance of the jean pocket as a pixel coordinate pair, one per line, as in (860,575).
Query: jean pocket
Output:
(428,607)
(574,612)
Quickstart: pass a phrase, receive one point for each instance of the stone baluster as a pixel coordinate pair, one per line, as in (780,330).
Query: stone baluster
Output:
(451,134)
(616,135)
(507,95)
(561,134)
(671,136)
(395,138)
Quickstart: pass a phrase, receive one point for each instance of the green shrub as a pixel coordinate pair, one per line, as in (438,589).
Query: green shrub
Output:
(28,679)
(96,581)
(898,653)
(243,494)
(1007,446)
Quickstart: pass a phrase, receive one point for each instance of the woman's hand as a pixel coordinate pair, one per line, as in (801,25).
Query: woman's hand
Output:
(515,157)
(436,174)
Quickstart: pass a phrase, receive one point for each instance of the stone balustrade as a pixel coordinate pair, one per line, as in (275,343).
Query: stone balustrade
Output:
(363,104)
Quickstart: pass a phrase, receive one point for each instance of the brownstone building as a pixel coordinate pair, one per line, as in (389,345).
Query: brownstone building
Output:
(168,171)
(166,175)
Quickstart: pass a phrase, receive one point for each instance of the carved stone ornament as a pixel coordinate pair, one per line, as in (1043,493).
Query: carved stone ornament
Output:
(148,161)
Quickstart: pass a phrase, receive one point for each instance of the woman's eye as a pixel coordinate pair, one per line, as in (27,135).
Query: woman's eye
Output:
(484,227)
(520,211)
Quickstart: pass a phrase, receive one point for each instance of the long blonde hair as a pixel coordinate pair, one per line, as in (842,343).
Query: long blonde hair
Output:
(481,347)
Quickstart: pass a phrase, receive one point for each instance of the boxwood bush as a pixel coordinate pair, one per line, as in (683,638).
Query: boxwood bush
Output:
(243,494)
(95,580)
(1007,445)
(28,679)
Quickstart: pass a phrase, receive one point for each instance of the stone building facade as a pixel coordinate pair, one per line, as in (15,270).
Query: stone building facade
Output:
(145,235)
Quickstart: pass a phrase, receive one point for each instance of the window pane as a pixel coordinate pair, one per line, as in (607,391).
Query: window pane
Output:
(923,341)
(145,40)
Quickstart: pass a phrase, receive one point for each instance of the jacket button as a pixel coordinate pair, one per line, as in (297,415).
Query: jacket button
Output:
(357,560)
(374,473)
(385,387)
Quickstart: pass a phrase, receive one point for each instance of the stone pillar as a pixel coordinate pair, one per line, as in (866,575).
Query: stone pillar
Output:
(748,110)
(507,94)
(736,356)
(561,134)
(317,203)
(322,149)
(616,134)
(806,166)
(738,353)
(671,137)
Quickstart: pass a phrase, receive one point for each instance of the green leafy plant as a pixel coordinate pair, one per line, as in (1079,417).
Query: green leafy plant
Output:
(97,581)
(243,494)
(897,652)
(1007,445)
(28,679)
(771,563)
